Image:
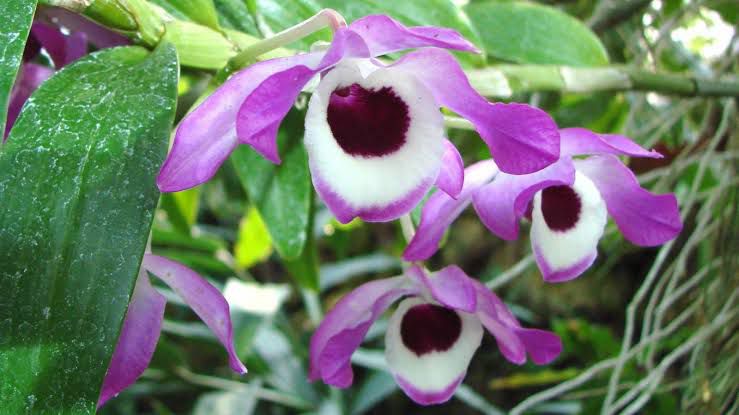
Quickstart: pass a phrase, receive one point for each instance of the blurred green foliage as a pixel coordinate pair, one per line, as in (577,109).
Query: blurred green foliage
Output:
(260,223)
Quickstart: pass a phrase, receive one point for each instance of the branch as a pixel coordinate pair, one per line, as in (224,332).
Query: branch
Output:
(612,13)
(505,80)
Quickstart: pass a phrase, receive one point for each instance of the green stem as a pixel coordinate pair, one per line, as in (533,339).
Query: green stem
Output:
(611,13)
(324,18)
(505,80)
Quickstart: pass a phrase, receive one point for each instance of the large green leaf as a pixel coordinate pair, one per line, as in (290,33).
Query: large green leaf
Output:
(282,14)
(16,17)
(531,33)
(77,184)
(282,193)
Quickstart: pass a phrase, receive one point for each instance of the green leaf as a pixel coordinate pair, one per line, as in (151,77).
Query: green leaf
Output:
(254,244)
(304,269)
(200,11)
(77,183)
(234,14)
(374,389)
(282,14)
(182,208)
(16,16)
(531,33)
(282,193)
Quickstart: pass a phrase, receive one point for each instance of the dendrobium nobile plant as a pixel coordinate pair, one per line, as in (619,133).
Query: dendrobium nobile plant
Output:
(377,147)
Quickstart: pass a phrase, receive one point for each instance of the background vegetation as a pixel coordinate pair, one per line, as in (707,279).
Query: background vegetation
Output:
(644,330)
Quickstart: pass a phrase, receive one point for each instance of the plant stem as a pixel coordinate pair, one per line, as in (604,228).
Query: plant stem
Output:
(505,80)
(406,225)
(610,13)
(324,18)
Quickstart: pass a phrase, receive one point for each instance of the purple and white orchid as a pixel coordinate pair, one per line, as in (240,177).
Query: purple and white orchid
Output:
(373,131)
(571,200)
(143,322)
(431,336)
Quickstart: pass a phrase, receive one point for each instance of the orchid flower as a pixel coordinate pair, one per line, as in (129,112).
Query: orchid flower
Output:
(431,336)
(571,201)
(62,48)
(143,322)
(373,131)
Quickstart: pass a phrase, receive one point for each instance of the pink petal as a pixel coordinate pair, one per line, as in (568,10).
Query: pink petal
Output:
(502,203)
(441,210)
(263,108)
(451,175)
(75,47)
(449,286)
(204,299)
(137,341)
(541,345)
(97,35)
(384,35)
(52,40)
(514,341)
(344,327)
(644,218)
(522,139)
(501,323)
(579,141)
(207,136)
(31,76)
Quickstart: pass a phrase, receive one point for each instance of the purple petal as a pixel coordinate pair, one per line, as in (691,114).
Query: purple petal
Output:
(579,141)
(513,340)
(97,35)
(264,107)
(503,202)
(63,49)
(52,40)
(644,218)
(541,345)
(75,47)
(451,175)
(385,35)
(204,299)
(449,286)
(522,139)
(137,341)
(31,76)
(441,210)
(344,327)
(501,323)
(207,136)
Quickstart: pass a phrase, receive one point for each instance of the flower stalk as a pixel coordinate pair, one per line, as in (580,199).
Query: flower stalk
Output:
(324,18)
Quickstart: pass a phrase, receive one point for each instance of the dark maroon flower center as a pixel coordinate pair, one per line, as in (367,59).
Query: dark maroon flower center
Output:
(560,206)
(427,327)
(369,123)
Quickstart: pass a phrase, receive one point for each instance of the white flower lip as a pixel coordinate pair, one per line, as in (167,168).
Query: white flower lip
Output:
(566,248)
(433,371)
(375,182)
